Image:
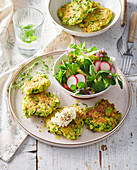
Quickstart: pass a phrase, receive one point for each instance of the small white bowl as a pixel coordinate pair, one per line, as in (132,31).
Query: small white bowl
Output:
(56,69)
(54,5)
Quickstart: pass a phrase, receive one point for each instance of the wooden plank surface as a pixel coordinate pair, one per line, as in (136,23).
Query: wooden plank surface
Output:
(24,158)
(118,152)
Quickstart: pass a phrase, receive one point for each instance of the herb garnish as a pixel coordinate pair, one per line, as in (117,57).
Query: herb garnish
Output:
(27,72)
(85,104)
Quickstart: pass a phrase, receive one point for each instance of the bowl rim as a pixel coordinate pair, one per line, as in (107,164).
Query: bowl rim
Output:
(73,94)
(84,34)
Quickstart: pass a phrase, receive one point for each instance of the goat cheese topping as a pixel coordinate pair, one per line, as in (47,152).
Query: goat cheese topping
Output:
(65,117)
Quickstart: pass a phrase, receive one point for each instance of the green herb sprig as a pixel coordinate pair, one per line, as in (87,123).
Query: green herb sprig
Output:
(28,72)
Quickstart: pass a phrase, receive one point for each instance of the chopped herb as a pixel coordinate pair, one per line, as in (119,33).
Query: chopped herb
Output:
(85,104)
(27,72)
(36,63)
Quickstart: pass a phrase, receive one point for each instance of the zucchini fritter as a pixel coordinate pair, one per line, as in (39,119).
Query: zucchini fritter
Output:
(42,104)
(103,116)
(96,19)
(37,84)
(74,12)
(74,128)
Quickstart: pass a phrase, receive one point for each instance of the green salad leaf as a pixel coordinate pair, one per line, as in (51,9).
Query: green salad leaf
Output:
(98,86)
(73,87)
(86,65)
(81,85)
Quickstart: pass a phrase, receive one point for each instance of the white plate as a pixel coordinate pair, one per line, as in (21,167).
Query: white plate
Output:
(34,125)
(54,5)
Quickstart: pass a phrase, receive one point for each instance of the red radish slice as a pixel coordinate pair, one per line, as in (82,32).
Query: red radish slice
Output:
(104,66)
(65,86)
(72,80)
(97,63)
(81,77)
(62,62)
(113,70)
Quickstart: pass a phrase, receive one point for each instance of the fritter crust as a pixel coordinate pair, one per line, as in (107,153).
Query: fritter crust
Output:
(101,117)
(96,19)
(74,12)
(72,131)
(42,104)
(37,84)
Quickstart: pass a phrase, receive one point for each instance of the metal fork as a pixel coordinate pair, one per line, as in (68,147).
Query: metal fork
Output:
(127,59)
(128,56)
(120,45)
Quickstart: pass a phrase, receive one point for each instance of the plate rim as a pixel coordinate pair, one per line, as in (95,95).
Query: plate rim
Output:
(57,143)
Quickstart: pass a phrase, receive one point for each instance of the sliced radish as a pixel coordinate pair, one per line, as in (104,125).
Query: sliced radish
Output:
(72,80)
(62,62)
(81,77)
(65,86)
(104,66)
(113,70)
(97,63)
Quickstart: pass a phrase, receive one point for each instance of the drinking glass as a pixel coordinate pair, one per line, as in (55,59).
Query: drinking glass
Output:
(28,23)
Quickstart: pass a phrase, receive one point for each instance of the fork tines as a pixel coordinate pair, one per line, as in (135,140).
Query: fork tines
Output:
(126,63)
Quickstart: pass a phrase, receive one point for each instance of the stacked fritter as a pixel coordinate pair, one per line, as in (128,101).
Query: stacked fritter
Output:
(38,101)
(90,16)
(37,84)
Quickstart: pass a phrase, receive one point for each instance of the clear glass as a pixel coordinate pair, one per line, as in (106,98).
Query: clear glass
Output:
(28,24)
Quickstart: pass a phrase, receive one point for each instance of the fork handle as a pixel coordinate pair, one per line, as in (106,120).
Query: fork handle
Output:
(123,13)
(132,28)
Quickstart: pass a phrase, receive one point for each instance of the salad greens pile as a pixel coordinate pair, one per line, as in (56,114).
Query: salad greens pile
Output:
(82,61)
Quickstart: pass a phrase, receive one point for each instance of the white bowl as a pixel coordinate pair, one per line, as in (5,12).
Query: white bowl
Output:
(56,69)
(54,5)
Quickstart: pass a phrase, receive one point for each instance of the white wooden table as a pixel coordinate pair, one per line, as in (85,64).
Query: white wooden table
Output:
(117,152)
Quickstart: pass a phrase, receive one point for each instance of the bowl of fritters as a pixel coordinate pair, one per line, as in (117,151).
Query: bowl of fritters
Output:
(84,18)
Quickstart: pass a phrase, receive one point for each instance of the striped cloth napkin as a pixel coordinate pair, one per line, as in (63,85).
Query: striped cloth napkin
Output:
(11,134)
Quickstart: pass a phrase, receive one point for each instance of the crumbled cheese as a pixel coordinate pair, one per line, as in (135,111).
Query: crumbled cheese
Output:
(65,117)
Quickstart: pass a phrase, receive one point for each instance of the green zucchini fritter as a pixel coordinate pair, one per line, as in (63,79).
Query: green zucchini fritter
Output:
(42,104)
(74,128)
(74,12)
(103,116)
(37,84)
(96,19)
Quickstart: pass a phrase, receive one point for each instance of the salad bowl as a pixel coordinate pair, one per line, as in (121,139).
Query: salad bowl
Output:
(66,88)
(54,5)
